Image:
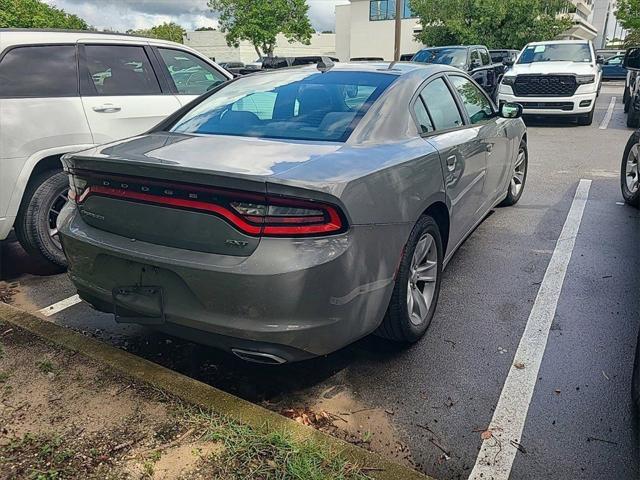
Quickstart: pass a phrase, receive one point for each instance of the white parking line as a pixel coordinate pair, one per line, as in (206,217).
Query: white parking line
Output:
(498,450)
(59,306)
(609,114)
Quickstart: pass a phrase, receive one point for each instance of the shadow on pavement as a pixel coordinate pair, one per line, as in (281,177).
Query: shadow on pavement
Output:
(15,262)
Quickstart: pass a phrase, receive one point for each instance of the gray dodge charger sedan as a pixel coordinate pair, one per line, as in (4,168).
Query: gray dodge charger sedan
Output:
(287,214)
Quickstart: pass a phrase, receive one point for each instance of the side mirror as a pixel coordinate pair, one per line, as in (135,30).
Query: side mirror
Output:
(510,110)
(600,60)
(474,64)
(632,59)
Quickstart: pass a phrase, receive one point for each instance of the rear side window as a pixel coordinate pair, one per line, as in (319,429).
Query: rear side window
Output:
(441,105)
(39,71)
(190,75)
(424,122)
(120,70)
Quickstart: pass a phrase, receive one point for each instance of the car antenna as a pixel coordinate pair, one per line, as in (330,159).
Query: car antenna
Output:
(325,64)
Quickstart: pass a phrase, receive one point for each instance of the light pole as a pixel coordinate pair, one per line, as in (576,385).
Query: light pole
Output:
(396,50)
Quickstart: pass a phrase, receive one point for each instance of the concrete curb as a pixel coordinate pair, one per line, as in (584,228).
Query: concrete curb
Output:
(201,394)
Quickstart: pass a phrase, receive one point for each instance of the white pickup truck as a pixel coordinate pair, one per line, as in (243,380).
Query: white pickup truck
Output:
(561,77)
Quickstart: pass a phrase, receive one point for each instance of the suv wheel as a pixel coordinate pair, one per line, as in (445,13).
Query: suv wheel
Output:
(587,118)
(633,116)
(415,295)
(36,223)
(629,172)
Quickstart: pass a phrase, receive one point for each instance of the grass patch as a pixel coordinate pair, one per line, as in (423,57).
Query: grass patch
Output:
(4,376)
(46,366)
(1,351)
(274,455)
(49,457)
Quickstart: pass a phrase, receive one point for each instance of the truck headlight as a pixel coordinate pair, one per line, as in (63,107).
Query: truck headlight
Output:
(585,79)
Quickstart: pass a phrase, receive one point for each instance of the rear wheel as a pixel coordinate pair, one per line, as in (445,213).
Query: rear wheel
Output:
(629,173)
(518,177)
(415,295)
(36,223)
(633,116)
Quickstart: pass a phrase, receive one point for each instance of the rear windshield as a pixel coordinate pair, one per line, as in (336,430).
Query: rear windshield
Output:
(291,104)
(456,57)
(556,52)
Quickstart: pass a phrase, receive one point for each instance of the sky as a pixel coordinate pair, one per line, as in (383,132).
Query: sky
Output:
(122,15)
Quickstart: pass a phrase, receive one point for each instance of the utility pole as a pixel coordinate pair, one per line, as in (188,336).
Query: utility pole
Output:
(396,50)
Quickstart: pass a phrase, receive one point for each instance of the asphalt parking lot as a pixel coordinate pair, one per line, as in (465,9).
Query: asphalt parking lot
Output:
(427,406)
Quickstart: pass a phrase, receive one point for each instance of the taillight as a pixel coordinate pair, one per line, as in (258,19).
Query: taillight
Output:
(251,213)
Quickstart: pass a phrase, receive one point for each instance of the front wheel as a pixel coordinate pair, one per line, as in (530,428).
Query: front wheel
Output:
(415,295)
(587,118)
(518,177)
(629,173)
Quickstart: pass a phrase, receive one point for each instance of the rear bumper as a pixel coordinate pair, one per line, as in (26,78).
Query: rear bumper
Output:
(291,298)
(575,105)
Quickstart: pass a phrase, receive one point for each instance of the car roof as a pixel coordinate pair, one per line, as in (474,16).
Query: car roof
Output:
(549,42)
(390,68)
(21,36)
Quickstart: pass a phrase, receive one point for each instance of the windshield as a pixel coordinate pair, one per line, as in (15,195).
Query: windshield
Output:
(298,104)
(556,52)
(456,57)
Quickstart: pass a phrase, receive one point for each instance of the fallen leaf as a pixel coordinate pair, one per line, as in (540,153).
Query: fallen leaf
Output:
(486,435)
(519,365)
(558,391)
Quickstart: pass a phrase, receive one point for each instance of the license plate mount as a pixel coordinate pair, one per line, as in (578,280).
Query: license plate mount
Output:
(143,305)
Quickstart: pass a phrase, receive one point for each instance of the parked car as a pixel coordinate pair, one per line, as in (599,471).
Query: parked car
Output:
(631,97)
(474,59)
(607,53)
(262,249)
(367,59)
(407,57)
(506,57)
(560,77)
(613,68)
(270,63)
(61,92)
(233,68)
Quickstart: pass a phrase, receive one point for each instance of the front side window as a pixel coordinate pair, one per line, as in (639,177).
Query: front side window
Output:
(456,57)
(474,101)
(39,71)
(297,105)
(190,75)
(556,52)
(121,70)
(441,104)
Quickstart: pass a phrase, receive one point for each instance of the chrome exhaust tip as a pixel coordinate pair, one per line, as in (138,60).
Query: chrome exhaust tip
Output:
(258,357)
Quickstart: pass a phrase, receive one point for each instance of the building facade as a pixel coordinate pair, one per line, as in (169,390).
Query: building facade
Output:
(213,44)
(366,28)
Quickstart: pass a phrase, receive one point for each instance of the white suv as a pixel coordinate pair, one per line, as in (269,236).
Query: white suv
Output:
(62,92)
(560,77)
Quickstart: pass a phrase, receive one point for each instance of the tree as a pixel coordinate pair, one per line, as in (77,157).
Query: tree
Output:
(260,22)
(205,29)
(167,31)
(36,14)
(495,23)
(628,15)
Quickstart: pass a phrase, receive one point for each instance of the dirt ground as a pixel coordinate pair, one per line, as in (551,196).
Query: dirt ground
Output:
(64,416)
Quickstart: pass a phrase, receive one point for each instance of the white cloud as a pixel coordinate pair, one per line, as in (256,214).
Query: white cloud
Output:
(122,15)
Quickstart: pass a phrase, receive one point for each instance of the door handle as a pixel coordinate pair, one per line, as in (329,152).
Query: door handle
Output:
(107,108)
(489,147)
(451,163)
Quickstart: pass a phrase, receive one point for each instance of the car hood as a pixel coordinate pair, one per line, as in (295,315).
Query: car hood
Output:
(214,153)
(576,68)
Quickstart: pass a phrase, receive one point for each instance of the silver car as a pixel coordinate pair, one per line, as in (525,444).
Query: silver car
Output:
(289,213)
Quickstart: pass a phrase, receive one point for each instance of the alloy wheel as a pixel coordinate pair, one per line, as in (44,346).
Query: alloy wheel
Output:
(519,172)
(54,210)
(631,171)
(423,274)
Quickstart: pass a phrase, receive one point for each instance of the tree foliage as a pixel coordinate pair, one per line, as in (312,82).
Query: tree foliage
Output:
(260,22)
(36,14)
(628,15)
(495,23)
(167,31)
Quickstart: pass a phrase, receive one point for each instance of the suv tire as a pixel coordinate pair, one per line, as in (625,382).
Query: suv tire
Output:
(521,167)
(587,118)
(630,197)
(33,226)
(399,324)
(633,116)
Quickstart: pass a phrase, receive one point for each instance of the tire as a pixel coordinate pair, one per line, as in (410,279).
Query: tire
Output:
(33,225)
(629,160)
(398,325)
(513,193)
(586,119)
(633,116)
(626,106)
(625,99)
